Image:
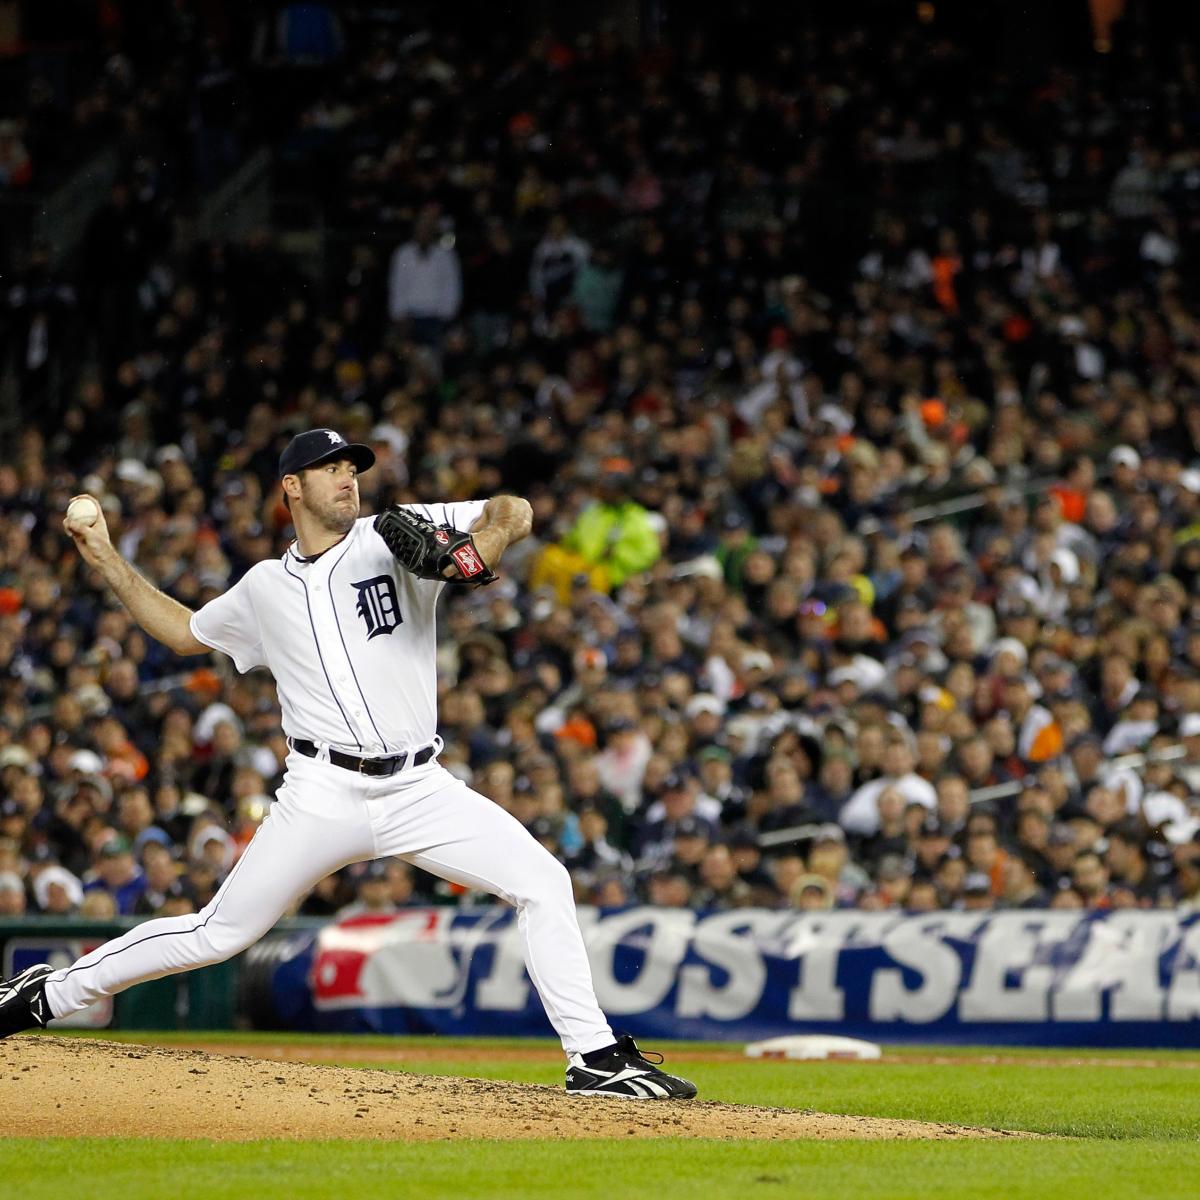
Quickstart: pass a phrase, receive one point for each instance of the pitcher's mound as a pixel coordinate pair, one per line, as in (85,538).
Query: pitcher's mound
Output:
(66,1087)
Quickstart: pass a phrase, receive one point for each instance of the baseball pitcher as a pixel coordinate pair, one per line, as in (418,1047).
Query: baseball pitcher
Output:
(344,620)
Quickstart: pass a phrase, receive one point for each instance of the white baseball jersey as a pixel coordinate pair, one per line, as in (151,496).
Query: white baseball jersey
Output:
(349,636)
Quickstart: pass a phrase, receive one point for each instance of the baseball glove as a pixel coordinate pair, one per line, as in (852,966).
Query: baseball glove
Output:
(426,550)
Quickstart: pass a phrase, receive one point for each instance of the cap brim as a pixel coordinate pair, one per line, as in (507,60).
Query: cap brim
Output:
(363,457)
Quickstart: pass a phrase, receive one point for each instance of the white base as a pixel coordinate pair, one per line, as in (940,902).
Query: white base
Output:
(813,1047)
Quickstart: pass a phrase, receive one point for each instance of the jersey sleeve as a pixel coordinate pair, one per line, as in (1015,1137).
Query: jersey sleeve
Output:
(461,515)
(229,623)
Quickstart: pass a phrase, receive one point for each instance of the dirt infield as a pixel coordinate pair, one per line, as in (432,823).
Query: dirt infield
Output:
(407,1055)
(66,1087)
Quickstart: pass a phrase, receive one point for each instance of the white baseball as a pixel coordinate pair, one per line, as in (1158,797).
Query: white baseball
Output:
(83,510)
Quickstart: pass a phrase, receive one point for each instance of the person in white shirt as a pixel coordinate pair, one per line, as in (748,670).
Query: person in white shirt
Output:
(425,283)
(349,636)
(860,814)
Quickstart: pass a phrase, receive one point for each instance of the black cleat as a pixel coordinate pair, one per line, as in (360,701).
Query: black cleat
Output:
(23,1001)
(625,1071)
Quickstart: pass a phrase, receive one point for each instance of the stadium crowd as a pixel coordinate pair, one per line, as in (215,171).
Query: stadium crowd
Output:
(858,401)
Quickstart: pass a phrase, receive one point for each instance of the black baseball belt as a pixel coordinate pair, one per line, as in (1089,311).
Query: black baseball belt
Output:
(367,766)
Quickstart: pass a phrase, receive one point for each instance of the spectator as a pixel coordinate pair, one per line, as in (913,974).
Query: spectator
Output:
(893,877)
(405,889)
(811,893)
(861,814)
(621,765)
(751,870)
(1039,737)
(98,905)
(596,857)
(690,844)
(831,790)
(983,851)
(162,880)
(210,846)
(115,872)
(923,896)
(1066,897)
(374,895)
(613,539)
(1125,859)
(557,260)
(57,892)
(135,818)
(890,837)
(829,858)
(1061,850)
(720,886)
(1021,888)
(658,842)
(611,891)
(493,285)
(977,892)
(425,283)
(782,805)
(1090,879)
(596,290)
(12,895)
(41,304)
(669,889)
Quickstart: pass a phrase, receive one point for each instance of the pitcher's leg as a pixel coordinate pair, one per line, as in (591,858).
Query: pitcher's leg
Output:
(478,844)
(297,845)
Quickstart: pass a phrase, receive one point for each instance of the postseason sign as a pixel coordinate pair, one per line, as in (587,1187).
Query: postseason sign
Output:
(1126,978)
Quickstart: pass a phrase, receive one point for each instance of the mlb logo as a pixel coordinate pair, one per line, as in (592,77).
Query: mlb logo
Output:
(21,953)
(404,960)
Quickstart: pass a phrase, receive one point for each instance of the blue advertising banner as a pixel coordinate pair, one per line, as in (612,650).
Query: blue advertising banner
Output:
(1127,978)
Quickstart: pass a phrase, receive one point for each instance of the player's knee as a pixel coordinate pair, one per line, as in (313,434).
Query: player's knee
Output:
(551,881)
(225,940)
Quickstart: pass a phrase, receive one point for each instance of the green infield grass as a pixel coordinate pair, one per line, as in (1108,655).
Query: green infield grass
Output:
(1130,1129)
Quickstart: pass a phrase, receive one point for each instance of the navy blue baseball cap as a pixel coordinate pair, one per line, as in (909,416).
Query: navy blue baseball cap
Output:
(315,446)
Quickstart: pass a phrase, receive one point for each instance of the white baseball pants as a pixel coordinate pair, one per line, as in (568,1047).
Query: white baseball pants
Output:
(325,817)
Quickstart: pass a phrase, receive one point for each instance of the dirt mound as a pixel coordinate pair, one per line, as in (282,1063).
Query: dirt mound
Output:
(66,1087)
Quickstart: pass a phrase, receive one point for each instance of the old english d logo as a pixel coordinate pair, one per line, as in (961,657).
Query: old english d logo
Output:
(378,605)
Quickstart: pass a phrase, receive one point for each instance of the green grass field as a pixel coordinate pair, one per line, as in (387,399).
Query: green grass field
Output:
(1122,1130)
